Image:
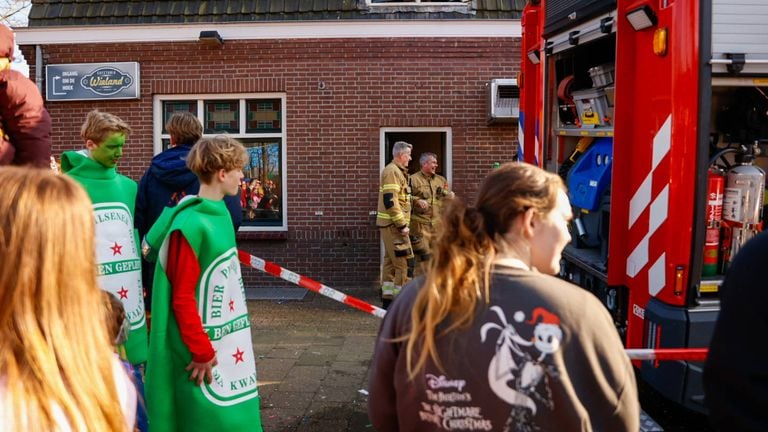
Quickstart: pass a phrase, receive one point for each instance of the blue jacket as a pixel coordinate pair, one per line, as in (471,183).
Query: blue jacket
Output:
(164,184)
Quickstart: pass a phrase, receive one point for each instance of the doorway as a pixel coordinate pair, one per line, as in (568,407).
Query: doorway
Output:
(433,140)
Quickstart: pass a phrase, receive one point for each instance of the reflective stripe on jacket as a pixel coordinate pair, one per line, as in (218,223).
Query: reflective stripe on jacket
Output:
(394,181)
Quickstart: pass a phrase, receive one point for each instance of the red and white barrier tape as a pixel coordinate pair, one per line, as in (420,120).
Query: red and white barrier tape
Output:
(310,284)
(687,354)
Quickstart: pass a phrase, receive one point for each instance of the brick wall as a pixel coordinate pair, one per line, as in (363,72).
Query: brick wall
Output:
(332,134)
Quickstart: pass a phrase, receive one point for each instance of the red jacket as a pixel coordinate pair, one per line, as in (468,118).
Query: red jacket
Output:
(26,125)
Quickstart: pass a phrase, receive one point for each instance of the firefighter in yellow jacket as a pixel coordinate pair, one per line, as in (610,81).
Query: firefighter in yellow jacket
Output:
(393,215)
(430,191)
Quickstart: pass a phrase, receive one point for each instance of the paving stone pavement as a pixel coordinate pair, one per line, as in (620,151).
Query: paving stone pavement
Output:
(312,361)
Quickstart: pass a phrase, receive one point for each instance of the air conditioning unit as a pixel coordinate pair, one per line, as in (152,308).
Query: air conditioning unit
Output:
(503,100)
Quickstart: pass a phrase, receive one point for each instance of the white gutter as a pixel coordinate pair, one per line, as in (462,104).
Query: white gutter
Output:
(350,29)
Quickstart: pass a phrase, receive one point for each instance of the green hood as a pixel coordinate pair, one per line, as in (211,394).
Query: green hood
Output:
(78,164)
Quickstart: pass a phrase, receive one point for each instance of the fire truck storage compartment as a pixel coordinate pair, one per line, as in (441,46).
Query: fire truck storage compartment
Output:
(589,191)
(739,124)
(577,73)
(580,149)
(560,15)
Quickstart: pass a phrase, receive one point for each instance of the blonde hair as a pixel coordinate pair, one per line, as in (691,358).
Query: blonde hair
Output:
(185,128)
(55,353)
(212,154)
(466,245)
(99,125)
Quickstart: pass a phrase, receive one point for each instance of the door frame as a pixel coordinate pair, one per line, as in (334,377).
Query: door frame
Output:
(447,165)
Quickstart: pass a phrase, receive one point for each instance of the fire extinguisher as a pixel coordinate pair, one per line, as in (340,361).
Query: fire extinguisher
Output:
(716,181)
(742,205)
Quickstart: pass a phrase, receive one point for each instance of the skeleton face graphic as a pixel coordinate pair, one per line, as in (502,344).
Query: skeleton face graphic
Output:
(547,337)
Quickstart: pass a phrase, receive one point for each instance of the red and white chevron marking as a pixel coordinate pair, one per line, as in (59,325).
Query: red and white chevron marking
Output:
(659,206)
(687,354)
(310,284)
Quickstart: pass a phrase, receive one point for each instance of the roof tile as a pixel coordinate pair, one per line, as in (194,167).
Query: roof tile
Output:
(54,13)
(291,6)
(234,7)
(276,6)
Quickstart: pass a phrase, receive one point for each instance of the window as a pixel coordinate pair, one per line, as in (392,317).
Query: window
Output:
(257,121)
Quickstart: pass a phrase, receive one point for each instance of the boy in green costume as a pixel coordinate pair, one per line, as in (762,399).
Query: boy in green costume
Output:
(200,320)
(113,196)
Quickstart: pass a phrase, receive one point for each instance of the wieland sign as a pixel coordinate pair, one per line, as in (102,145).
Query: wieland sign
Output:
(87,81)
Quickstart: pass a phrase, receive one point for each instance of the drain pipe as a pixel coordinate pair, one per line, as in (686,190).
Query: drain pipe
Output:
(39,68)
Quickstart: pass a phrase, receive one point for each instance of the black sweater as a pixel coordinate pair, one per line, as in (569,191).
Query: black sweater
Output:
(543,355)
(736,372)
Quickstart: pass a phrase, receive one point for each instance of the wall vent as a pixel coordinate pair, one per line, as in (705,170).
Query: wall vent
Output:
(503,100)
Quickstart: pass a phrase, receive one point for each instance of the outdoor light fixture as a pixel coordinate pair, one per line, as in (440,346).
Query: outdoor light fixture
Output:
(533,56)
(642,18)
(211,38)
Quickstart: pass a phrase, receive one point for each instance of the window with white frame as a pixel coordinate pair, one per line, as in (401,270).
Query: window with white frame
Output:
(257,121)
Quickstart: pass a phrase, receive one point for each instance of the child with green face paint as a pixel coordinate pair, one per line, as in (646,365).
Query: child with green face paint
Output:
(113,196)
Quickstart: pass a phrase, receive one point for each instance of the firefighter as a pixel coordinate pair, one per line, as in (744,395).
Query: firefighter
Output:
(430,191)
(393,215)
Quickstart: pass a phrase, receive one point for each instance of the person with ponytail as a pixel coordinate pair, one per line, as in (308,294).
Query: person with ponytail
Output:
(489,339)
(57,366)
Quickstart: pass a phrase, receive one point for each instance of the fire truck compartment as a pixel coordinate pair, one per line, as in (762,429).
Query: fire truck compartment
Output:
(674,327)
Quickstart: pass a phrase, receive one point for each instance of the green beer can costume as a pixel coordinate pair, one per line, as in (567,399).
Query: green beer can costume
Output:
(231,400)
(117,252)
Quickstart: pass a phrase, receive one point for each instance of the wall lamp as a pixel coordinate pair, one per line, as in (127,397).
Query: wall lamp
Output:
(642,18)
(533,56)
(211,38)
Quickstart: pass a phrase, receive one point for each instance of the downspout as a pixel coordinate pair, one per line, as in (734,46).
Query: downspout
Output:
(39,68)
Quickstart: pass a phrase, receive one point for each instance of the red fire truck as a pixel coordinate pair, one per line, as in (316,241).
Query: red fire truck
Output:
(653,111)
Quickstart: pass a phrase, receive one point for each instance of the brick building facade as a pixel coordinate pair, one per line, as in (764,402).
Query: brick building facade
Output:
(333,102)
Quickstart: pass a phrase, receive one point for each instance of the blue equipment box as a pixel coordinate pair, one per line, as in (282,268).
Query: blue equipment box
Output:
(591,175)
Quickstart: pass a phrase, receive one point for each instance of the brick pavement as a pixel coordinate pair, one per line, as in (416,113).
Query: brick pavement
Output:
(312,359)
